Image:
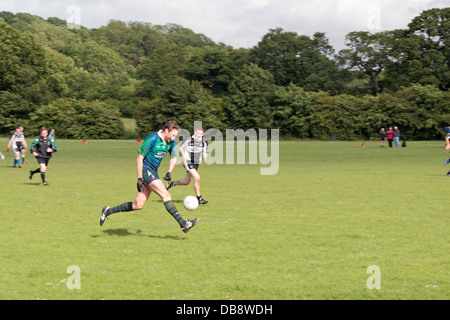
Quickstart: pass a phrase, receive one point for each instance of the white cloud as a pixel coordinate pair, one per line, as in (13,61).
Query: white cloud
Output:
(241,23)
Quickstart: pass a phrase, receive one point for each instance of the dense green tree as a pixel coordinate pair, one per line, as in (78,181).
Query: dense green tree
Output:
(58,38)
(213,67)
(291,111)
(248,105)
(369,54)
(26,79)
(78,119)
(182,101)
(298,59)
(183,37)
(165,63)
(434,27)
(132,41)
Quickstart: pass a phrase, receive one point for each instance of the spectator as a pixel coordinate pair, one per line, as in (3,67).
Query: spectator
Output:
(397,137)
(390,136)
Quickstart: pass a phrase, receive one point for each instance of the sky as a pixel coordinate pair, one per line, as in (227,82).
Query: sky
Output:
(238,23)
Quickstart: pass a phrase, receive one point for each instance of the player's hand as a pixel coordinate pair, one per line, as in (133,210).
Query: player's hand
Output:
(168,176)
(140,185)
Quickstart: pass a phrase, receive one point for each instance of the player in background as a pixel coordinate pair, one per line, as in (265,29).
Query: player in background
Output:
(447,147)
(192,150)
(24,150)
(17,143)
(447,138)
(52,134)
(42,148)
(151,153)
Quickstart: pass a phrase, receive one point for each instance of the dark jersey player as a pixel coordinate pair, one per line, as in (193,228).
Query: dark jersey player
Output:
(447,146)
(42,148)
(447,138)
(151,153)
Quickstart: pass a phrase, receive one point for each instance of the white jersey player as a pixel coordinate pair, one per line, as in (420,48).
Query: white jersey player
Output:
(193,150)
(17,143)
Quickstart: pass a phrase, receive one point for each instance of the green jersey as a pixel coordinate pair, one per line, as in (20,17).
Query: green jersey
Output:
(154,149)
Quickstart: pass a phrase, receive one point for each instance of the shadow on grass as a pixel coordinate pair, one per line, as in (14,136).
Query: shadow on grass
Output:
(175,201)
(10,166)
(32,184)
(137,233)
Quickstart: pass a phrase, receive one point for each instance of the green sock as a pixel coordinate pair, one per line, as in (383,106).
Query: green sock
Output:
(43,177)
(170,207)
(124,207)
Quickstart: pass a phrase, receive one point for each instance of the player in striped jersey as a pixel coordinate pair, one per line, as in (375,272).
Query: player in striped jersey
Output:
(192,150)
(17,143)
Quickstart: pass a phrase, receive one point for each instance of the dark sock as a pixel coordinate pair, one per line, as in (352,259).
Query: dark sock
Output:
(43,177)
(36,171)
(124,207)
(170,207)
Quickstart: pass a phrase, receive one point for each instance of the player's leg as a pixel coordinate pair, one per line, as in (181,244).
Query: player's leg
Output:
(16,158)
(32,172)
(158,187)
(138,204)
(181,182)
(196,176)
(43,168)
(447,139)
(23,156)
(141,199)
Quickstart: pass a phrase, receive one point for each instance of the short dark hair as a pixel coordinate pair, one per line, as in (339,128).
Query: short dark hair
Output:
(43,128)
(171,125)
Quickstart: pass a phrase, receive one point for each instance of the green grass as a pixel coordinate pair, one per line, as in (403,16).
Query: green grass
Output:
(309,232)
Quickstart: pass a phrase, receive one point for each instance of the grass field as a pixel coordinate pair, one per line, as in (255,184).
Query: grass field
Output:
(310,232)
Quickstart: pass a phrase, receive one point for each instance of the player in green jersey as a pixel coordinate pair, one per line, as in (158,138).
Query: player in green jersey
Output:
(151,153)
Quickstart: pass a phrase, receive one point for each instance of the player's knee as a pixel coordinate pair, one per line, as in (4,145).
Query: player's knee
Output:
(138,206)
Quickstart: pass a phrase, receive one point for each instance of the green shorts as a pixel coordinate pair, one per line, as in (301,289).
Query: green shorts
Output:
(149,176)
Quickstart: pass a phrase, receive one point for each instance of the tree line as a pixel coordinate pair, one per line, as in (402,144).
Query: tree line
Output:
(82,82)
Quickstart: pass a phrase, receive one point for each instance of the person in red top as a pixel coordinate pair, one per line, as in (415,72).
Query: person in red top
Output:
(390,136)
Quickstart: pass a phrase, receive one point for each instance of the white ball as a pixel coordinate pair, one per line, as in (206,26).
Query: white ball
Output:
(190,203)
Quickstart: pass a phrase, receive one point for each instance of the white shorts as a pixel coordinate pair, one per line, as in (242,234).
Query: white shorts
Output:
(16,150)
